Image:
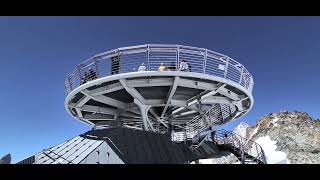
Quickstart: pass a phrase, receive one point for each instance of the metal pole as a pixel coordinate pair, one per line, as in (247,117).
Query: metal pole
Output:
(257,151)
(144,113)
(119,61)
(226,68)
(158,126)
(178,57)
(70,84)
(79,72)
(241,74)
(250,84)
(148,51)
(205,61)
(97,69)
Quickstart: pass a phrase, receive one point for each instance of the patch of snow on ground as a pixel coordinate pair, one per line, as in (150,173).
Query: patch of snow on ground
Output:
(241,129)
(253,133)
(275,120)
(206,161)
(216,161)
(269,148)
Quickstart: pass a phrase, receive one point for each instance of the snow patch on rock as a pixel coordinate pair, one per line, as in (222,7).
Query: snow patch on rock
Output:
(269,147)
(241,129)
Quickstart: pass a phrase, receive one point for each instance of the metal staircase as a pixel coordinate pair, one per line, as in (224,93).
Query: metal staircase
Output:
(216,115)
(247,151)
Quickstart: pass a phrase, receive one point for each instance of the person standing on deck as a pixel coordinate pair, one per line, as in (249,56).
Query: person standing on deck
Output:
(142,68)
(162,67)
(184,66)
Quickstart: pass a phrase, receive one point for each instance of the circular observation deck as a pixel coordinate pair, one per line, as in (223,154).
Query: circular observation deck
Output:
(108,90)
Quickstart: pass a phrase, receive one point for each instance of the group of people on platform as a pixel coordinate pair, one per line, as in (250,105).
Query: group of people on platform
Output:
(91,74)
(88,76)
(184,66)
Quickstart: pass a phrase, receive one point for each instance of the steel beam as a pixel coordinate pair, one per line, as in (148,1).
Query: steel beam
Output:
(98,117)
(204,96)
(105,89)
(149,82)
(197,84)
(132,91)
(170,95)
(157,117)
(110,101)
(144,113)
(82,101)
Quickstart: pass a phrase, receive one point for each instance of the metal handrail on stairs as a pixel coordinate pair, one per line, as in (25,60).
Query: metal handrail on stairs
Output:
(246,150)
(201,122)
(195,146)
(243,147)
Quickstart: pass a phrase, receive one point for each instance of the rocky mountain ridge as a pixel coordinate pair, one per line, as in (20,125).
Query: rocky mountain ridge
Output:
(286,138)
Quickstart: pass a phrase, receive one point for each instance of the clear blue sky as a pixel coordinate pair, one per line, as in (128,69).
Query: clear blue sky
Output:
(36,53)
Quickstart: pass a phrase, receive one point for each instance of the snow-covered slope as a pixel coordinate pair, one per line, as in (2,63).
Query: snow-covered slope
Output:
(269,147)
(228,158)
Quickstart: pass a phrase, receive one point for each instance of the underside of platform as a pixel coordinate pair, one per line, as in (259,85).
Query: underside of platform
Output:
(158,101)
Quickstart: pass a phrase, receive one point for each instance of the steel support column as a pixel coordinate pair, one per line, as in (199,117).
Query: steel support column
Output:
(144,114)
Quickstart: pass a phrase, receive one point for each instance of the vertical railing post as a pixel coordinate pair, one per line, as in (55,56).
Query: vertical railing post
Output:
(148,54)
(119,59)
(250,84)
(70,83)
(67,86)
(205,60)
(257,152)
(178,57)
(241,74)
(226,68)
(97,69)
(79,72)
(185,133)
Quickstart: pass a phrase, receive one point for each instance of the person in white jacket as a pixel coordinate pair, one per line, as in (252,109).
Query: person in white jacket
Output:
(142,67)
(184,66)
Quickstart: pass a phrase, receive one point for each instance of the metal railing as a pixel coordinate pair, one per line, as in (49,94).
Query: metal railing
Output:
(178,136)
(216,115)
(128,59)
(197,145)
(245,147)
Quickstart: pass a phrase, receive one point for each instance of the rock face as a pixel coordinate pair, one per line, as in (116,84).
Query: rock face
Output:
(295,133)
(286,137)
(5,159)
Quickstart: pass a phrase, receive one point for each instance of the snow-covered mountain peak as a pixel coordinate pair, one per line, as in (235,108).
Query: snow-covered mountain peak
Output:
(241,129)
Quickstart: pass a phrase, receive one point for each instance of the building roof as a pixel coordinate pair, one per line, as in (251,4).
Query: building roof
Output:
(118,146)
